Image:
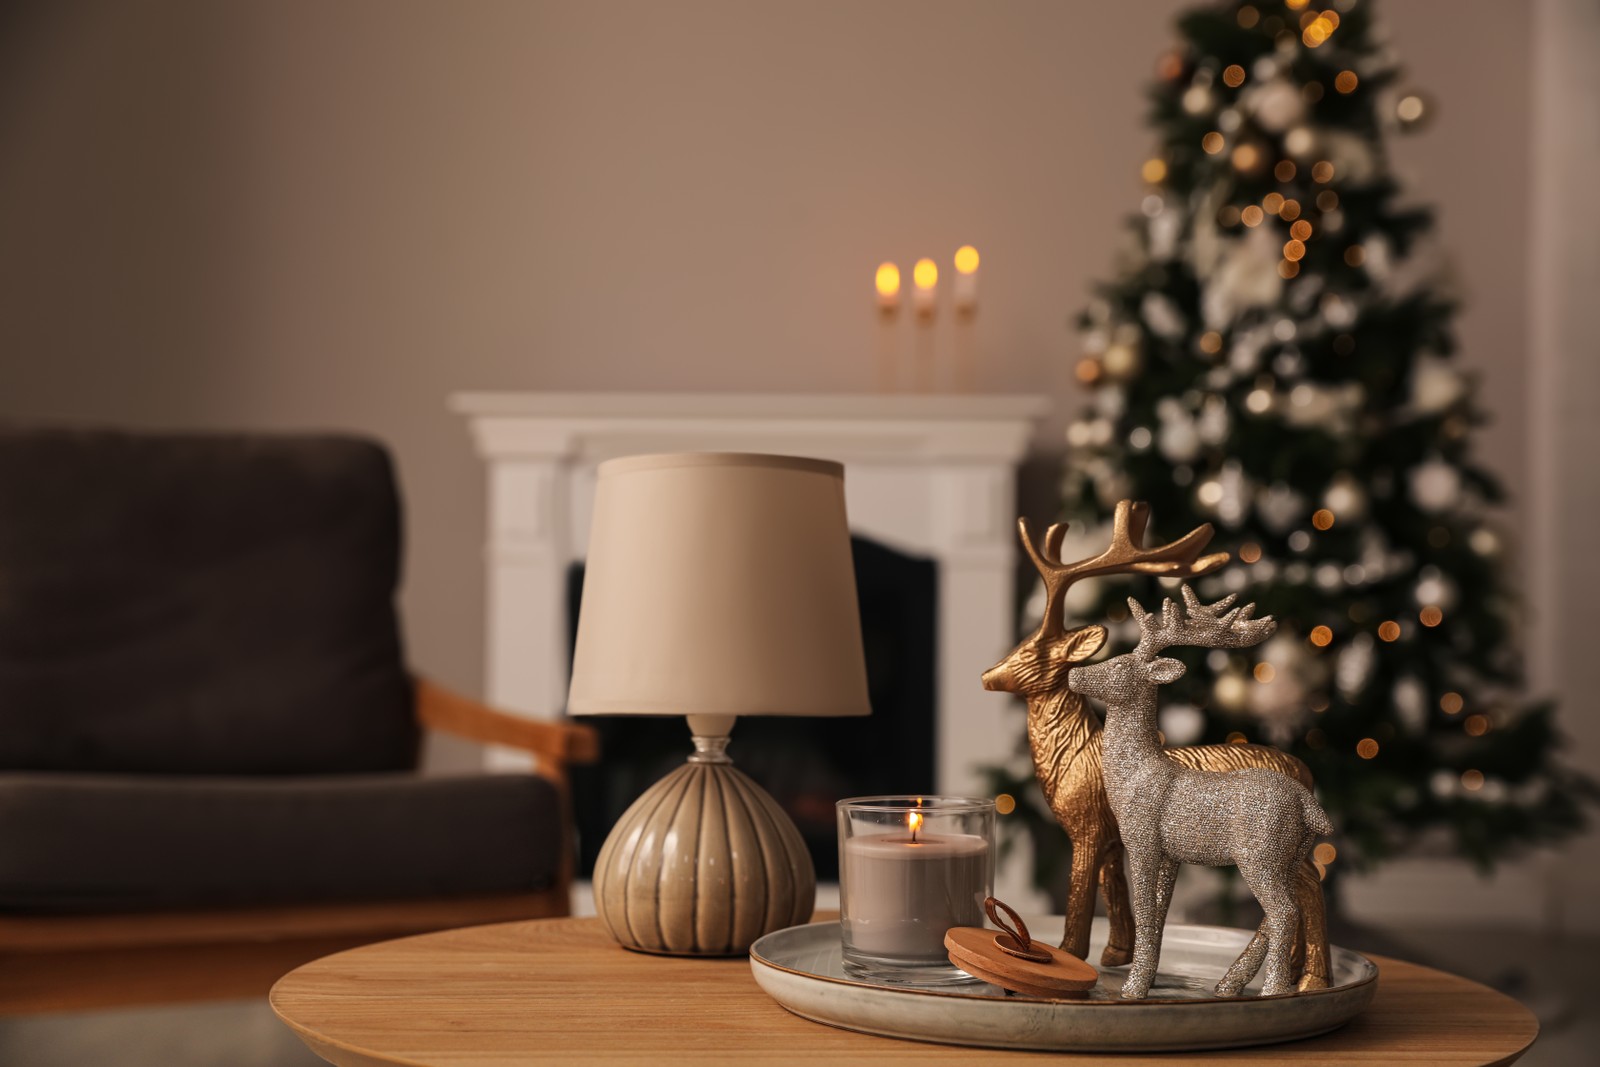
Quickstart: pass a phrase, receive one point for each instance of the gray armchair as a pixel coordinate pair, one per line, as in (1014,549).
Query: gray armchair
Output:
(208,734)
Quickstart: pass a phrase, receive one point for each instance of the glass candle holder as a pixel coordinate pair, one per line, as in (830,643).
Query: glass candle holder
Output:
(910,868)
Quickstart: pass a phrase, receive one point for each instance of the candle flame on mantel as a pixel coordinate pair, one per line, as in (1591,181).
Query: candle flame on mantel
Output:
(914,820)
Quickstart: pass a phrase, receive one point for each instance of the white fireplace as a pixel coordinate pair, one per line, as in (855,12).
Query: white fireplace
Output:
(931,476)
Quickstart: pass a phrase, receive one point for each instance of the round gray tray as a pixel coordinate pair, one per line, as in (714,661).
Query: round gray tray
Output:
(802,969)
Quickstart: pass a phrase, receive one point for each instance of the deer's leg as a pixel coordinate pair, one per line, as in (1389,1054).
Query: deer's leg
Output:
(1144,877)
(1168,878)
(1313,928)
(1086,853)
(1114,887)
(1245,967)
(1275,889)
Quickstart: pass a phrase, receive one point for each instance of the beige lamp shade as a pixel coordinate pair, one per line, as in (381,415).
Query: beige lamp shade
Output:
(719,584)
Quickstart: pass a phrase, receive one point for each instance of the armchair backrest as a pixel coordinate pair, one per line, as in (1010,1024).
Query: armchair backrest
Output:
(200,604)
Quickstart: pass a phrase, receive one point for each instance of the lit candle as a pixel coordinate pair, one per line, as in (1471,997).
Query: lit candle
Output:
(925,276)
(903,890)
(964,290)
(887,283)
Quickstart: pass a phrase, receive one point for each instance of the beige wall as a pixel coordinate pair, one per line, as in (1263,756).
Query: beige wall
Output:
(332,215)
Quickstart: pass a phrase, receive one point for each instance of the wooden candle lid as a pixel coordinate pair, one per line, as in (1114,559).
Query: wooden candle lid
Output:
(1011,960)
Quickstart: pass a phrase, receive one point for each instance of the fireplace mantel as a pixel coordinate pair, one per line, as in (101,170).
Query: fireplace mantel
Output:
(933,476)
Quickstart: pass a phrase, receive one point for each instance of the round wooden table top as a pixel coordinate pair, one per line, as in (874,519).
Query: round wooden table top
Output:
(561,991)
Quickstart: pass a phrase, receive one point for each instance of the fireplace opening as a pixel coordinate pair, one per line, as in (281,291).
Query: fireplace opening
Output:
(806,764)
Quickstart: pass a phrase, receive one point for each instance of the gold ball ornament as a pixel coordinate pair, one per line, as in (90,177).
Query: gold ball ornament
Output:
(1120,362)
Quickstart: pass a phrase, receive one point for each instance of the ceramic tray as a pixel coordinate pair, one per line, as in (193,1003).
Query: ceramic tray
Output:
(801,968)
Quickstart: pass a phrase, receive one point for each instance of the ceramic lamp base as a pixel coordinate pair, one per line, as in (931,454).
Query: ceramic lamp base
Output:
(703,863)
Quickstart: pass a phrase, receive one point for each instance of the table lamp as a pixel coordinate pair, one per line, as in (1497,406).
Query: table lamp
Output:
(718,584)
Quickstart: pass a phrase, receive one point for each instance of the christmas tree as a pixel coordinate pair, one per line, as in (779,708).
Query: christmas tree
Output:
(1273,358)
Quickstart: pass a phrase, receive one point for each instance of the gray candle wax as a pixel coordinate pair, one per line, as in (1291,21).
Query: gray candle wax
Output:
(899,895)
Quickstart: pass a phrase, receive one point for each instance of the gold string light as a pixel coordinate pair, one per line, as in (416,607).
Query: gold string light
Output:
(1389,631)
(1250,552)
(1367,748)
(1154,171)
(1355,255)
(1321,636)
(1476,725)
(1212,143)
(1287,268)
(1327,200)
(1301,230)
(1284,171)
(1265,672)
(1451,703)
(1233,76)
(1273,202)
(1346,82)
(1211,344)
(1472,780)
(1252,216)
(1322,518)
(1322,171)
(1431,616)
(1289,210)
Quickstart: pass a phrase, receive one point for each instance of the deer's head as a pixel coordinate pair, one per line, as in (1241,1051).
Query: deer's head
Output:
(1040,664)
(1197,624)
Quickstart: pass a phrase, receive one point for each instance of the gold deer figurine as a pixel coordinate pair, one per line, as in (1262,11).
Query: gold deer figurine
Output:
(1064,735)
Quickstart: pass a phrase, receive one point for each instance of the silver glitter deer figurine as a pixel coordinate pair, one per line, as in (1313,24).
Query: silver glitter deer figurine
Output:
(1263,822)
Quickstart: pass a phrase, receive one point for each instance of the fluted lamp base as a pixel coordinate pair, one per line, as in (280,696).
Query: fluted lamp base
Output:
(704,862)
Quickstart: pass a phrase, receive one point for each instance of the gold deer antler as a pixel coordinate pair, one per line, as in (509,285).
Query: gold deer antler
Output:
(1126,554)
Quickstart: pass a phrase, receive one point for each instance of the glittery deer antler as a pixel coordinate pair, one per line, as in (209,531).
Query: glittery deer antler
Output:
(1200,625)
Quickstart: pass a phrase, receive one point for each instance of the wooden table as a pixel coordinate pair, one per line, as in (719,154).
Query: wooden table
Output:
(561,991)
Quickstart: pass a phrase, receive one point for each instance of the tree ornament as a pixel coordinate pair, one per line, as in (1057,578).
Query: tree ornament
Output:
(1410,699)
(1354,666)
(1178,438)
(1213,423)
(1182,724)
(1436,385)
(1435,589)
(1435,485)
(1286,674)
(1280,507)
(1246,278)
(1233,495)
(1120,361)
(1275,105)
(1345,498)
(1413,110)
(1162,317)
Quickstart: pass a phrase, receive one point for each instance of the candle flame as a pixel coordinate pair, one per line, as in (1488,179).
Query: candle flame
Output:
(925,274)
(888,279)
(914,821)
(966,259)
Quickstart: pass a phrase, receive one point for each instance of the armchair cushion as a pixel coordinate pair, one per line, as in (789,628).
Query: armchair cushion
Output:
(200,604)
(101,843)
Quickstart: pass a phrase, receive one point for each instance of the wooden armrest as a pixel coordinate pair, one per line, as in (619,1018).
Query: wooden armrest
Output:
(561,742)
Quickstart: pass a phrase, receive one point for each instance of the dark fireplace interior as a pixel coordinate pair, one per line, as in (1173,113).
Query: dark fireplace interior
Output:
(806,764)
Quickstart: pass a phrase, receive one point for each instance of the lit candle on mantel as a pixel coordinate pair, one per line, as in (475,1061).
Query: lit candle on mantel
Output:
(925,276)
(887,282)
(908,887)
(964,290)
